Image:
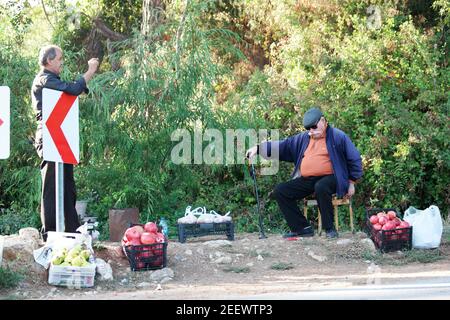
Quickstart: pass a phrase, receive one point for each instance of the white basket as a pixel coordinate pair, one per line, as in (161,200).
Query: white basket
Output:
(72,277)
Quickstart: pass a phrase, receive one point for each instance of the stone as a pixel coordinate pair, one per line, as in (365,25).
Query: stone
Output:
(344,242)
(218,243)
(30,233)
(316,257)
(159,275)
(223,260)
(104,270)
(369,245)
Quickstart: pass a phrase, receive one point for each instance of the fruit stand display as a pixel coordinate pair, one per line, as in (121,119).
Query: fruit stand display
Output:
(73,267)
(197,223)
(387,230)
(145,246)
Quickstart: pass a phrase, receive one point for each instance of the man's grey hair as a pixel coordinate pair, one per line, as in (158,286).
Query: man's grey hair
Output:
(47,52)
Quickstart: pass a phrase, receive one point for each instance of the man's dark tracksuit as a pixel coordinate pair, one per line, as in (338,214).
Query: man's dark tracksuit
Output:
(347,165)
(48,79)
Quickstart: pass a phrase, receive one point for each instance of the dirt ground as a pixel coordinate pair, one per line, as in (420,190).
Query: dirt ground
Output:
(211,267)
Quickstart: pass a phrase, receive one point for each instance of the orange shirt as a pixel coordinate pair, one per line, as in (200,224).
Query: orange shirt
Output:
(316,161)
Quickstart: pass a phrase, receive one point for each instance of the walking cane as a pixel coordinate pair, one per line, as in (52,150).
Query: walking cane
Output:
(260,222)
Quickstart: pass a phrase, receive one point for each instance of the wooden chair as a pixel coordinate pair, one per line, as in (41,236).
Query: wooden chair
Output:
(336,203)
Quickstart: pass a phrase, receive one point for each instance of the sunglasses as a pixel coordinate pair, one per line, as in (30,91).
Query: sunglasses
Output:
(312,127)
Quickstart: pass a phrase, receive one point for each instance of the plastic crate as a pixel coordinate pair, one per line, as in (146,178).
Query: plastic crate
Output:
(72,277)
(204,229)
(388,240)
(147,256)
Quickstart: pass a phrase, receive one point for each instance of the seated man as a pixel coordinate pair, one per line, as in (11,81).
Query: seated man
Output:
(326,163)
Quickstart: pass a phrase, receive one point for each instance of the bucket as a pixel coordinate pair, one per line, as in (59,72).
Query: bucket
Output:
(81,206)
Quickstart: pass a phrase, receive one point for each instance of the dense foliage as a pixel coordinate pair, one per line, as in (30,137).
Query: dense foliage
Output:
(379,69)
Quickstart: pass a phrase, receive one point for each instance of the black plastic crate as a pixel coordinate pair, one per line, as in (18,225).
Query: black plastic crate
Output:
(147,256)
(204,229)
(388,240)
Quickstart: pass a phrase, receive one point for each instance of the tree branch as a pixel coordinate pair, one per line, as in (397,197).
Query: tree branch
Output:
(107,32)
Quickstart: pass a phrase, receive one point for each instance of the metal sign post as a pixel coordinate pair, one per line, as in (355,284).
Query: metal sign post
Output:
(60,140)
(59,196)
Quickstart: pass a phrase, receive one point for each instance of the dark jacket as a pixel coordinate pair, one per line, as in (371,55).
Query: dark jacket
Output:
(345,158)
(50,80)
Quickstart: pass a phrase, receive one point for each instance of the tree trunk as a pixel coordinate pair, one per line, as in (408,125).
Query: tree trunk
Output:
(152,15)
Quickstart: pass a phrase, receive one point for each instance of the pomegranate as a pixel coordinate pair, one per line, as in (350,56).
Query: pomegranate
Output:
(151,227)
(373,219)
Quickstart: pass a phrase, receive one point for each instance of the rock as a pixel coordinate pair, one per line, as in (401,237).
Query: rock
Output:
(361,235)
(344,242)
(143,284)
(260,258)
(250,264)
(200,251)
(218,243)
(30,233)
(18,250)
(188,252)
(316,257)
(159,275)
(369,245)
(165,280)
(223,260)
(104,270)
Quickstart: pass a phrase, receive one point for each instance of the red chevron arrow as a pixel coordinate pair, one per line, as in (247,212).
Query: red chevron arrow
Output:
(54,123)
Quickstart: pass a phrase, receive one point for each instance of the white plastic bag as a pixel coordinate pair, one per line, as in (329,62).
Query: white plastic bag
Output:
(427,227)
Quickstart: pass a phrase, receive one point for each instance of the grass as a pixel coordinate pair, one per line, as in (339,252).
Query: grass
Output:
(282,266)
(9,278)
(264,254)
(237,269)
(407,256)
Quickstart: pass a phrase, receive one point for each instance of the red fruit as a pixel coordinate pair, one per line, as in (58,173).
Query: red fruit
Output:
(140,229)
(404,224)
(151,227)
(397,221)
(373,219)
(381,214)
(134,242)
(148,238)
(391,215)
(377,226)
(132,233)
(382,220)
(389,225)
(160,237)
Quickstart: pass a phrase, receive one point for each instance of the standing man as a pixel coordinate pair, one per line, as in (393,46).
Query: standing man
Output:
(51,62)
(326,163)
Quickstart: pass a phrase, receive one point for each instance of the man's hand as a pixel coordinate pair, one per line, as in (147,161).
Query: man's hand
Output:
(93,64)
(92,68)
(351,190)
(251,153)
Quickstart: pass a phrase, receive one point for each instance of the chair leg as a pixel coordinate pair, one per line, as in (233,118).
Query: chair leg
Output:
(336,219)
